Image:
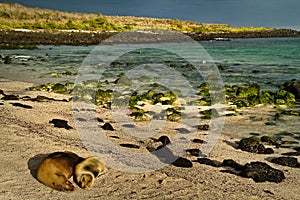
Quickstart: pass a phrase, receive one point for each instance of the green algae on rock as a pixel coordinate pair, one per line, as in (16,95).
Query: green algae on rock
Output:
(54,87)
(103,97)
(250,95)
(155,97)
(59,88)
(290,112)
(140,115)
(174,117)
(269,140)
(208,114)
(282,97)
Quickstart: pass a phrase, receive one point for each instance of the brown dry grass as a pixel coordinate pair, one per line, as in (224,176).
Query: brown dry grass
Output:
(14,16)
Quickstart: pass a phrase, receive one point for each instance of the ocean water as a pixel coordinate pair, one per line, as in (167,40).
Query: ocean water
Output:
(268,62)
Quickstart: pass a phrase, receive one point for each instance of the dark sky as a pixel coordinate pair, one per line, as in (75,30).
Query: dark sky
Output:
(268,13)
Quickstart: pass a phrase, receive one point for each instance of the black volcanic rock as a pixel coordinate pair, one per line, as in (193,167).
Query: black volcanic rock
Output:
(10,97)
(203,127)
(233,164)
(22,105)
(293,87)
(207,161)
(60,123)
(286,161)
(194,152)
(182,162)
(261,172)
(107,127)
(251,144)
(132,146)
(258,171)
(196,140)
(2,92)
(164,140)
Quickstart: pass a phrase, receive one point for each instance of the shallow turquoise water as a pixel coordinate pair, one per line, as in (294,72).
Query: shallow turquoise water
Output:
(266,61)
(269,62)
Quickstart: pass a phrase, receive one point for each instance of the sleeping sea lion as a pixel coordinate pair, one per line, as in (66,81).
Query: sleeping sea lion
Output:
(56,170)
(88,170)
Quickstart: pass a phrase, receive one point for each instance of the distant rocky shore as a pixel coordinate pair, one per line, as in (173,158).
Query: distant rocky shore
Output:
(246,34)
(22,37)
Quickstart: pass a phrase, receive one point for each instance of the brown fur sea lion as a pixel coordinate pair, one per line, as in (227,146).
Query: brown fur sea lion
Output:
(88,170)
(56,170)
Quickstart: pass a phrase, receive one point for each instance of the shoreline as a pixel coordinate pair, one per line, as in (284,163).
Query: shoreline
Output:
(75,37)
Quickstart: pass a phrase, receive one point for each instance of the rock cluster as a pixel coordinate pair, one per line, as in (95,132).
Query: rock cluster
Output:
(254,145)
(250,95)
(258,171)
(53,87)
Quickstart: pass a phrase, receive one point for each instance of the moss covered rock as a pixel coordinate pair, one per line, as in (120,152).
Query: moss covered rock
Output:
(249,95)
(290,112)
(44,87)
(269,140)
(243,96)
(248,91)
(173,114)
(204,102)
(282,97)
(266,97)
(54,87)
(103,97)
(208,114)
(153,97)
(140,115)
(59,88)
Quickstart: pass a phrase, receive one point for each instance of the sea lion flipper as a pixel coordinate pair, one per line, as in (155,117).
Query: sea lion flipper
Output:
(62,183)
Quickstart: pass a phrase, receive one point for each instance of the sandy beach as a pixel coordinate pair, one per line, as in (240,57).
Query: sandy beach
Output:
(27,135)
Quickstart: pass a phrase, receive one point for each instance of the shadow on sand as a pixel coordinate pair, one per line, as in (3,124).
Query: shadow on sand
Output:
(34,163)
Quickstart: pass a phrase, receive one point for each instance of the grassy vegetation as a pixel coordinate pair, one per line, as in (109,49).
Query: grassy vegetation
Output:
(16,16)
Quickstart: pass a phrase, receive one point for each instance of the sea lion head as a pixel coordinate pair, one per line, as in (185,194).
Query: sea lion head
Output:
(88,170)
(85,180)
